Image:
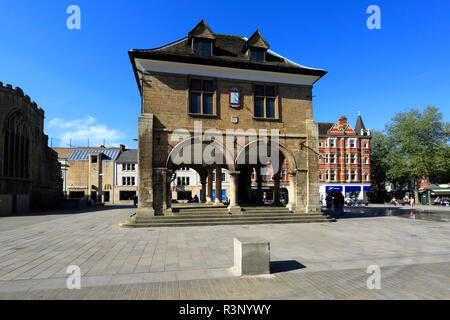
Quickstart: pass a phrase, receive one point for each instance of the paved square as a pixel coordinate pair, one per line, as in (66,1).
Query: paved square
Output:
(36,250)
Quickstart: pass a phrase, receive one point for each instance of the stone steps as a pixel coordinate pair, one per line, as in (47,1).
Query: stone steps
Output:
(201,212)
(222,210)
(200,220)
(234,217)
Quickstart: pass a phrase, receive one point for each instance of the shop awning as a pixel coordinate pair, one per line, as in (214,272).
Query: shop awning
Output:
(353,189)
(440,189)
(334,188)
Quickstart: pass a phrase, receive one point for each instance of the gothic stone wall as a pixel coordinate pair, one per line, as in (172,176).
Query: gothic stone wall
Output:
(43,187)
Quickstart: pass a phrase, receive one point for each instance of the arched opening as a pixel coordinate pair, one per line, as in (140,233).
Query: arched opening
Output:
(266,183)
(16,147)
(197,172)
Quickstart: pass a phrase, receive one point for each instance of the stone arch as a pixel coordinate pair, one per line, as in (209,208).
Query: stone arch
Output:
(288,155)
(228,155)
(16,145)
(284,154)
(204,168)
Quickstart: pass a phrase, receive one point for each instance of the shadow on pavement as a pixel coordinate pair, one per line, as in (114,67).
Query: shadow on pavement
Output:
(285,266)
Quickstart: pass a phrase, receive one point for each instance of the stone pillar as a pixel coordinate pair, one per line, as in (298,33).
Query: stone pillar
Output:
(218,185)
(210,187)
(203,178)
(168,193)
(160,191)
(234,207)
(145,166)
(276,189)
(312,181)
(292,192)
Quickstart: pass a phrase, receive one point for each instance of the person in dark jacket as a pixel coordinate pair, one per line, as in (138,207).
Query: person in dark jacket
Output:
(196,199)
(341,204)
(329,201)
(336,204)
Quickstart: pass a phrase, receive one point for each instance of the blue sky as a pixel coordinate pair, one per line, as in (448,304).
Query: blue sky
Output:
(84,81)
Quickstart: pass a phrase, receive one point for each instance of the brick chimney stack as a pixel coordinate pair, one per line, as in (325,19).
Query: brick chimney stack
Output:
(342,121)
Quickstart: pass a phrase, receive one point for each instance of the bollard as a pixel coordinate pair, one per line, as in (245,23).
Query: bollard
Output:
(251,256)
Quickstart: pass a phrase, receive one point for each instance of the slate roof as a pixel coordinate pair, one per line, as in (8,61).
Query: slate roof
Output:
(228,51)
(359,125)
(324,127)
(63,153)
(128,156)
(83,155)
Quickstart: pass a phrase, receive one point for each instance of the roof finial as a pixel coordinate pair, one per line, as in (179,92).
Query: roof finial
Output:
(359,113)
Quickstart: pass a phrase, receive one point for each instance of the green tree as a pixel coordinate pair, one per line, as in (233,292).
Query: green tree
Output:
(379,148)
(419,146)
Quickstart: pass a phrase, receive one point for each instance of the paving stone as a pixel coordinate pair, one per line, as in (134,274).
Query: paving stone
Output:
(195,262)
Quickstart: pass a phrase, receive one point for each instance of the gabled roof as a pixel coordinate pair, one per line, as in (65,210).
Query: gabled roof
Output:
(202,30)
(342,129)
(128,156)
(258,41)
(334,129)
(83,155)
(228,51)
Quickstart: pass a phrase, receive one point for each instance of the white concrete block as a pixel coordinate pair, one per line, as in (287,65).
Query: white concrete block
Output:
(251,256)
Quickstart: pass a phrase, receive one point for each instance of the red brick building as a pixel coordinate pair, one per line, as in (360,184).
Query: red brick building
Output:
(270,182)
(344,158)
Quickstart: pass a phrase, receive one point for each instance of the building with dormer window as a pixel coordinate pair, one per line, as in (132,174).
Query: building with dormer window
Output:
(225,82)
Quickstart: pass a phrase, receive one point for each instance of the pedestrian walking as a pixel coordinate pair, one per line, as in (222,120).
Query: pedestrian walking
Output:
(411,202)
(329,201)
(336,205)
(341,204)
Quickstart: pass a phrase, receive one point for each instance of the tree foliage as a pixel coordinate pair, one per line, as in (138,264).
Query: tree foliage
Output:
(419,143)
(379,165)
(414,145)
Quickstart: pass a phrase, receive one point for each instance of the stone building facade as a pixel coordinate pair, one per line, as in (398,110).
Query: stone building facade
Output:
(108,175)
(30,174)
(126,177)
(223,82)
(344,159)
(89,172)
